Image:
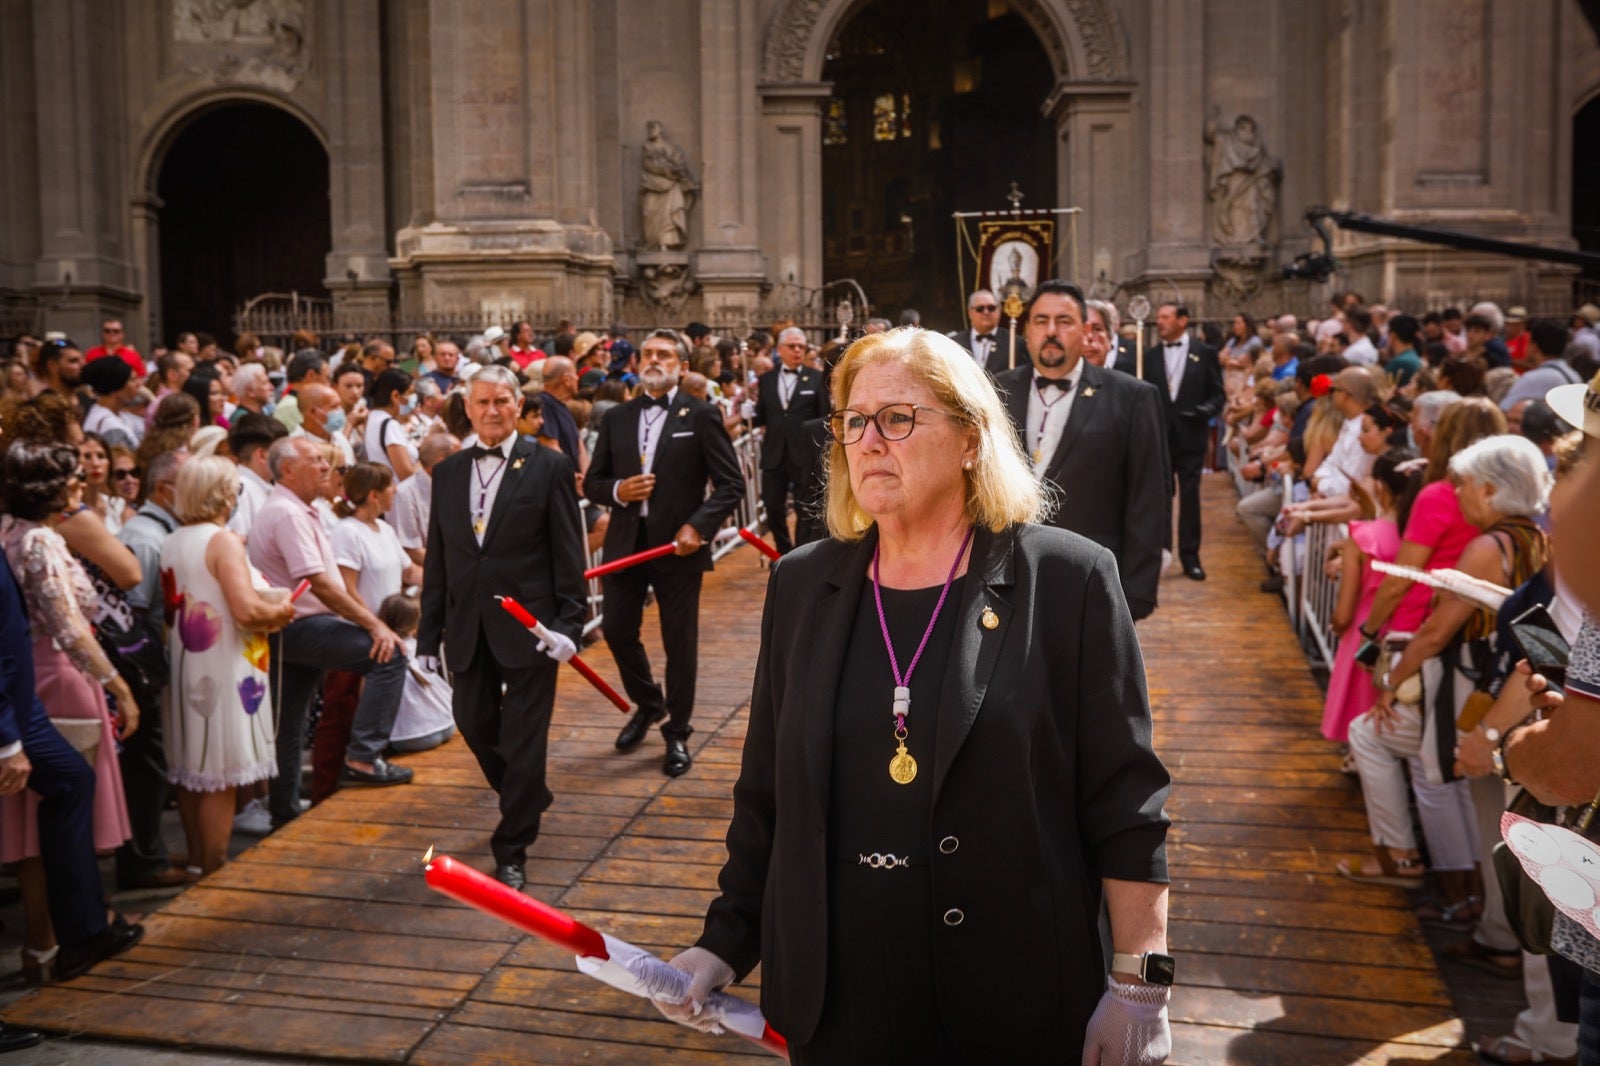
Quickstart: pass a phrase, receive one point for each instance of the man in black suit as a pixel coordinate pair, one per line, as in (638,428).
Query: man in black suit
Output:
(504,522)
(1095,435)
(1193,380)
(651,464)
(985,338)
(34,756)
(791,402)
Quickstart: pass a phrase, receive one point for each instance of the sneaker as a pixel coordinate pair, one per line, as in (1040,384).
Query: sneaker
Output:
(255,820)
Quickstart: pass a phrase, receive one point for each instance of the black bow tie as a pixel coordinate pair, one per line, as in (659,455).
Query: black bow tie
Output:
(646,400)
(1064,385)
(478,451)
(1174,344)
(986,336)
(794,372)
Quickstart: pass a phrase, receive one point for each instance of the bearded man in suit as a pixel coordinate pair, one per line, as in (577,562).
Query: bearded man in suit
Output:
(1096,436)
(1194,396)
(504,522)
(791,402)
(651,465)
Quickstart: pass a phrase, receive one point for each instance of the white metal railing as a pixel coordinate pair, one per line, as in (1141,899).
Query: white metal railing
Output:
(1309,593)
(749,514)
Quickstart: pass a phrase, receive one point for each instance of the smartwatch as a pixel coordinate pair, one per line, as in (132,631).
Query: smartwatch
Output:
(1152,967)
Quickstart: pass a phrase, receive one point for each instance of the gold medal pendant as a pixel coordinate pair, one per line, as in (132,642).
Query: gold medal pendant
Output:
(478,527)
(1037,455)
(902,768)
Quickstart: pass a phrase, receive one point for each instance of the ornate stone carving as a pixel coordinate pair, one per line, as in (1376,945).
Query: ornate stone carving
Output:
(793,29)
(664,278)
(666,192)
(1242,186)
(257,41)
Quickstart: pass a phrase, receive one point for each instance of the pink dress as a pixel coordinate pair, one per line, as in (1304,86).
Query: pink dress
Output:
(66,661)
(1350,690)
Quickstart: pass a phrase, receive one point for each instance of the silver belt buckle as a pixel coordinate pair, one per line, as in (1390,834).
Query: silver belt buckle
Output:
(881,861)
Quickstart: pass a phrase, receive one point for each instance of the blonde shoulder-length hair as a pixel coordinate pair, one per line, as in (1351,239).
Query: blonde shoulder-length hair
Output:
(208,486)
(1001,488)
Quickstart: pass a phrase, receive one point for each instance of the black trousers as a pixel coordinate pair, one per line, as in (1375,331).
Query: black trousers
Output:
(1187,467)
(65,784)
(776,485)
(143,762)
(678,601)
(509,734)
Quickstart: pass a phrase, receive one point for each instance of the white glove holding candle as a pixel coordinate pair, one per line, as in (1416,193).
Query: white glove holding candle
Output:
(707,974)
(1129,1027)
(556,645)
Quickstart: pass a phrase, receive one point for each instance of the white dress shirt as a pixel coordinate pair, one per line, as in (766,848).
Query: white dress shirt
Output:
(652,426)
(1047,423)
(411,504)
(1176,355)
(488,471)
(788,381)
(1360,352)
(1345,461)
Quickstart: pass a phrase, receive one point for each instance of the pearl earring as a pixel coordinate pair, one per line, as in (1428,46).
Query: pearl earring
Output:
(967,465)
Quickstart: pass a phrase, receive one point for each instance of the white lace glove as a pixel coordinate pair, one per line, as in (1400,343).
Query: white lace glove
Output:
(430,664)
(558,646)
(707,974)
(1129,1027)
(747,409)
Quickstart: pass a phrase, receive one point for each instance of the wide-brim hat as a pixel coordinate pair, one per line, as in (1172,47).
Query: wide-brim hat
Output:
(583,342)
(492,334)
(1578,405)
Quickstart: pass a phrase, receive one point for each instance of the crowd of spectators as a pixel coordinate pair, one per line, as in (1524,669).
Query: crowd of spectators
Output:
(1429,442)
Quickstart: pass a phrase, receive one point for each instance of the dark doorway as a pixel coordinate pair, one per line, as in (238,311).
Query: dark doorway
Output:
(245,211)
(935,109)
(1585,165)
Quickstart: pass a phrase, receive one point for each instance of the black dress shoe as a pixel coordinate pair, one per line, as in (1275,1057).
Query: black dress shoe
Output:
(14,1039)
(637,727)
(511,875)
(1193,571)
(75,960)
(677,762)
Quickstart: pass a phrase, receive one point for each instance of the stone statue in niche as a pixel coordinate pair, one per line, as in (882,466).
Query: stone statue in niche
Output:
(260,41)
(666,192)
(1242,183)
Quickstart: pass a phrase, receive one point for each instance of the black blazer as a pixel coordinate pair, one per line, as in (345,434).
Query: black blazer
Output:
(533,550)
(788,441)
(1001,353)
(1200,395)
(694,449)
(1043,774)
(1110,468)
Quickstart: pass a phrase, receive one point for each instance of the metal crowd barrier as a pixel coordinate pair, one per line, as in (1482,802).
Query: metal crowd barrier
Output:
(749,514)
(1308,591)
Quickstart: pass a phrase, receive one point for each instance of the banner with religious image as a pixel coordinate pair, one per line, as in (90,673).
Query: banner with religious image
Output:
(1014,255)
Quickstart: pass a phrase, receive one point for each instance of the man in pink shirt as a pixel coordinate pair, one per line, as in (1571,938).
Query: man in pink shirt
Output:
(111,344)
(332,630)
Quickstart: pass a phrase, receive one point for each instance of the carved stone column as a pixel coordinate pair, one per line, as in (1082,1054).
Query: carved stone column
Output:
(1176,249)
(791,181)
(728,263)
(358,265)
(1094,155)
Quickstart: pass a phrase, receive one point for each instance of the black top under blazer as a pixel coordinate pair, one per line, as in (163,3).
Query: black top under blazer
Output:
(1044,782)
(532,550)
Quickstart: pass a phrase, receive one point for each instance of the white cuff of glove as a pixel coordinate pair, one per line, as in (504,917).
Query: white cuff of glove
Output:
(559,647)
(708,974)
(1129,1027)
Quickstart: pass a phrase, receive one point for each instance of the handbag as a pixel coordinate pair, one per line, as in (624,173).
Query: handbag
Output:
(82,733)
(1528,910)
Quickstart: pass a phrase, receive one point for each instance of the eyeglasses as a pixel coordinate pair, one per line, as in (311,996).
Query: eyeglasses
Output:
(125,475)
(110,329)
(342,470)
(987,309)
(895,421)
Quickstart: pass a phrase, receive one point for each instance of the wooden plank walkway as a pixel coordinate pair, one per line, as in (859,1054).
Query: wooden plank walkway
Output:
(323,942)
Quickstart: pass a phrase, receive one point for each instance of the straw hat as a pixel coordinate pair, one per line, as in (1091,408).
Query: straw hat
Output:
(1578,405)
(582,343)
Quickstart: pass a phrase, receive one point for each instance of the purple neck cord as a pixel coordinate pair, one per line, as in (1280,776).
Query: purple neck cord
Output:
(883,622)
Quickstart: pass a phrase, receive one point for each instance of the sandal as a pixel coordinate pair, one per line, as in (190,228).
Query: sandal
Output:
(1463,914)
(1513,1052)
(1496,962)
(1396,873)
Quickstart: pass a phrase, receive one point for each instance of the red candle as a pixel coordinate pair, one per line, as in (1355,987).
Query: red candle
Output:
(300,589)
(479,890)
(520,613)
(629,560)
(756,542)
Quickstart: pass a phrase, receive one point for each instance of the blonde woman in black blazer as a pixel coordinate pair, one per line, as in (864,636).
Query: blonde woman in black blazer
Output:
(921,872)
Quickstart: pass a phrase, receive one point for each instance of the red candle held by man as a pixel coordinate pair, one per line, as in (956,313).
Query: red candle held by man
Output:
(630,560)
(479,890)
(762,546)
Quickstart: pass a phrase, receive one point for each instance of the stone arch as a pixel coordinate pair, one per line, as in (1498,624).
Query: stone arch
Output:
(1083,39)
(176,118)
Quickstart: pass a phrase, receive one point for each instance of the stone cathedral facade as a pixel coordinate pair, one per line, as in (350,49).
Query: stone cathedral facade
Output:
(400,162)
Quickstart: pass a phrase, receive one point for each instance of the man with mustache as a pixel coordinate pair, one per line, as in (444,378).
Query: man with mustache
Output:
(1096,435)
(651,465)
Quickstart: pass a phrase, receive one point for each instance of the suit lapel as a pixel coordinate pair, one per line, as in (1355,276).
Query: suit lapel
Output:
(831,623)
(1084,406)
(627,441)
(520,453)
(977,647)
(676,420)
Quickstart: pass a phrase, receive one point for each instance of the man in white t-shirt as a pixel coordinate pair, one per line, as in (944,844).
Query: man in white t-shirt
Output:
(414,498)
(249,438)
(114,388)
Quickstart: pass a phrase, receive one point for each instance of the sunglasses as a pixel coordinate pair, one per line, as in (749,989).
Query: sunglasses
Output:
(985,308)
(125,475)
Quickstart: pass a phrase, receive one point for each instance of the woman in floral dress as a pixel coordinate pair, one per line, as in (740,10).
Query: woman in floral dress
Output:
(218,723)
